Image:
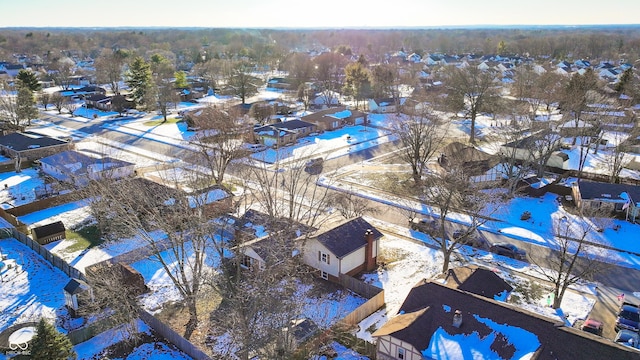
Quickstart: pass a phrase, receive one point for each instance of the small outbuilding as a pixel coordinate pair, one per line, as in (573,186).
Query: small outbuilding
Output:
(49,233)
(76,292)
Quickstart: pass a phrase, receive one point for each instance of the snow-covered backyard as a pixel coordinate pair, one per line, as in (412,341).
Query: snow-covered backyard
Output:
(30,288)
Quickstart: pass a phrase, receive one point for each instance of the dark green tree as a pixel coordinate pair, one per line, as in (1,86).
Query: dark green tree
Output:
(26,105)
(139,79)
(28,79)
(50,344)
(181,80)
(357,82)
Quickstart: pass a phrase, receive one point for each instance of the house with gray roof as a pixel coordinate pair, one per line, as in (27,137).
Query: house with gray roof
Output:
(437,321)
(349,248)
(607,197)
(30,146)
(78,168)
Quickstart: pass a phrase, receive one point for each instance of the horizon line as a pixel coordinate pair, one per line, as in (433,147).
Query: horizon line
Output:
(372,27)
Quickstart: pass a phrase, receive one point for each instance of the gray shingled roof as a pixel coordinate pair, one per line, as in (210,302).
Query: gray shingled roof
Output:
(27,140)
(432,304)
(590,190)
(348,237)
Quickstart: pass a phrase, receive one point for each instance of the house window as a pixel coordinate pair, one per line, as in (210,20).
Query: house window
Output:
(400,353)
(246,262)
(324,275)
(324,257)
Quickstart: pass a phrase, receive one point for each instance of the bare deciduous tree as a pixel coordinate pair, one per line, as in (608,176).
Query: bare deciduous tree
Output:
(448,192)
(220,140)
(350,205)
(470,90)
(421,136)
(576,259)
(175,225)
(109,66)
(59,101)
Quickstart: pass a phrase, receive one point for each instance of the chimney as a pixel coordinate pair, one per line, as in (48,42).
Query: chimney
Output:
(457,318)
(370,260)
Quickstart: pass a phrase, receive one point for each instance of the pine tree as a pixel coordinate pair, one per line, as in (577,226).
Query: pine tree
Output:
(26,105)
(139,80)
(50,344)
(29,79)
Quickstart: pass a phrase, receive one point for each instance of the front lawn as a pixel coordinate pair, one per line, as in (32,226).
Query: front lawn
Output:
(160,121)
(84,238)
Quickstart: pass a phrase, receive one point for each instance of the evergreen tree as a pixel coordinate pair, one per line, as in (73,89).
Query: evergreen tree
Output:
(181,80)
(50,344)
(139,80)
(25,105)
(29,79)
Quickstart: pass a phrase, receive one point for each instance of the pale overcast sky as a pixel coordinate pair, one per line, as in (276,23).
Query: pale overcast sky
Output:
(321,13)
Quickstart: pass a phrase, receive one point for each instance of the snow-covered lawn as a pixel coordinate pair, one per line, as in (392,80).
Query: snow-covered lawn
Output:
(31,288)
(162,288)
(19,188)
(328,145)
(71,214)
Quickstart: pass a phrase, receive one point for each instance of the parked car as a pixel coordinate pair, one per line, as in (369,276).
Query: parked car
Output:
(592,326)
(474,239)
(255,147)
(509,250)
(314,166)
(425,225)
(628,317)
(628,338)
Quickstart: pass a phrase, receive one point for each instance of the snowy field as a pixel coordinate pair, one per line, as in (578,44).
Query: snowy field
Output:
(30,288)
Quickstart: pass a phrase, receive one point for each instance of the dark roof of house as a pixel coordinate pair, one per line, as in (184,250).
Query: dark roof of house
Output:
(75,286)
(530,141)
(293,124)
(348,237)
(485,283)
(274,249)
(429,306)
(49,229)
(28,140)
(97,97)
(590,190)
(386,101)
(91,88)
(458,150)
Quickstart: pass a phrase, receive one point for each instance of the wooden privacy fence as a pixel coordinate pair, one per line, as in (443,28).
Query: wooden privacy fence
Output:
(173,337)
(373,293)
(54,260)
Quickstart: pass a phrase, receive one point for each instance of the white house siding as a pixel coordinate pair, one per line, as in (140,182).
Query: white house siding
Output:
(53,172)
(111,173)
(387,349)
(311,258)
(352,260)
